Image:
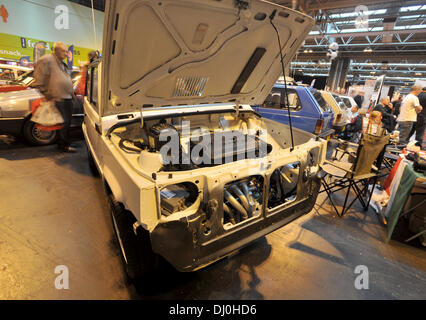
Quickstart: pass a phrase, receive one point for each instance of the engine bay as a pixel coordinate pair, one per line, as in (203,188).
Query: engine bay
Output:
(193,142)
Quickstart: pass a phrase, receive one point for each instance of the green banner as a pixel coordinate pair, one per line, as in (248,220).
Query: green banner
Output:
(15,47)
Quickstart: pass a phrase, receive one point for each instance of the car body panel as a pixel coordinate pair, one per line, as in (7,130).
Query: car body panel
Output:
(195,62)
(336,109)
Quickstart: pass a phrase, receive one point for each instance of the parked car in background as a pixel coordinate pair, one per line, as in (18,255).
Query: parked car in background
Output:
(340,112)
(20,83)
(15,111)
(308,110)
(348,101)
(9,72)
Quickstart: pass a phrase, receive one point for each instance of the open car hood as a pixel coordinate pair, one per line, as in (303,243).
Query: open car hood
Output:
(182,52)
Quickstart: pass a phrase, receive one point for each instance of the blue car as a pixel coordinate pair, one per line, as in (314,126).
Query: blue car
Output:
(309,111)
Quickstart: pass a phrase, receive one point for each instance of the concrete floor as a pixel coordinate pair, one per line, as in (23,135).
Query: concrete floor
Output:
(53,212)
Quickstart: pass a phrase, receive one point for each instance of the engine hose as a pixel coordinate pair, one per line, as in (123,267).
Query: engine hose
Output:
(235,204)
(230,213)
(246,191)
(241,196)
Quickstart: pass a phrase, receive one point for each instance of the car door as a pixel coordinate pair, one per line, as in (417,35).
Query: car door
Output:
(91,123)
(274,108)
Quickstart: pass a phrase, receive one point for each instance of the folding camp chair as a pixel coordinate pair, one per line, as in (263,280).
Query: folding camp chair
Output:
(363,166)
(390,157)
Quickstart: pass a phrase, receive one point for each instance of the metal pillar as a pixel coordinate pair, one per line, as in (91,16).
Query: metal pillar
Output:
(338,72)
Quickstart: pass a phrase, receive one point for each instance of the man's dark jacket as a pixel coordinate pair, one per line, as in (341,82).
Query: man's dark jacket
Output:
(387,117)
(359,100)
(422,100)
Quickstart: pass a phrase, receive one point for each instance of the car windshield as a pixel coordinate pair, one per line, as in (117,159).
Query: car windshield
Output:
(276,99)
(320,100)
(339,101)
(347,102)
(337,98)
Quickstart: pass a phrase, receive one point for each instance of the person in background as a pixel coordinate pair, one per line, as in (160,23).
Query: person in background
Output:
(354,125)
(359,99)
(408,114)
(82,82)
(93,55)
(352,114)
(385,108)
(53,80)
(397,106)
(420,125)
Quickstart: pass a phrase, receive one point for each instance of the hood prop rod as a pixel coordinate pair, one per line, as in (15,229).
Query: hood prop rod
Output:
(271,17)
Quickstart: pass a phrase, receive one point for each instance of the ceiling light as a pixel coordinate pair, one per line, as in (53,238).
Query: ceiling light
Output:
(310,51)
(368,49)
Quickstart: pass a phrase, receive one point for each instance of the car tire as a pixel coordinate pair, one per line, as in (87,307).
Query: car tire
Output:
(92,164)
(136,250)
(35,137)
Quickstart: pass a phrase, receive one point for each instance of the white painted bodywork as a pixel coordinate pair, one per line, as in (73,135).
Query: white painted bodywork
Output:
(17,104)
(126,85)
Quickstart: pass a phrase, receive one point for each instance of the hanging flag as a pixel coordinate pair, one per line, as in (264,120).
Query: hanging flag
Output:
(70,57)
(24,61)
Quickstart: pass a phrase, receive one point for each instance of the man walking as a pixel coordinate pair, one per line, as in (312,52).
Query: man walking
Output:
(410,106)
(54,82)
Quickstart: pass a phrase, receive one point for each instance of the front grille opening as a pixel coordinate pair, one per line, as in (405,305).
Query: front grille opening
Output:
(242,200)
(177,197)
(283,185)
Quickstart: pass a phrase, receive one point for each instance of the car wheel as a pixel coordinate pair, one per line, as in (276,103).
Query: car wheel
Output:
(37,137)
(92,164)
(136,251)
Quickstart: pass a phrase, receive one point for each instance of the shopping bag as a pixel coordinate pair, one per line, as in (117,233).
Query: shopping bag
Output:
(46,115)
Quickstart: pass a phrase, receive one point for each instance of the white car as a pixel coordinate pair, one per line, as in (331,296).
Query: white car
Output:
(15,111)
(349,102)
(175,76)
(339,109)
